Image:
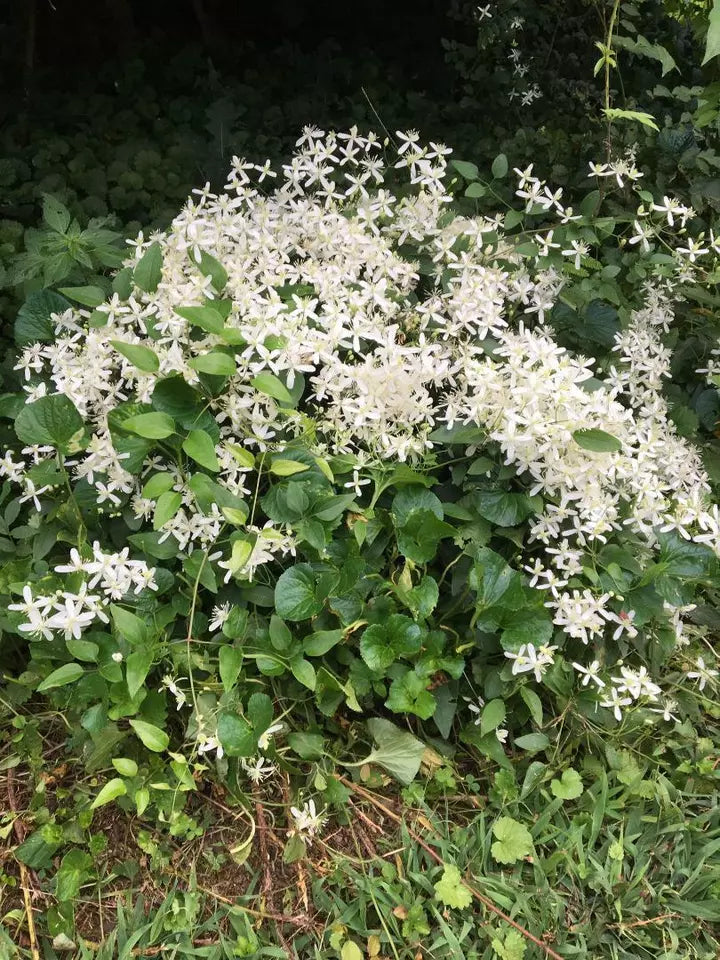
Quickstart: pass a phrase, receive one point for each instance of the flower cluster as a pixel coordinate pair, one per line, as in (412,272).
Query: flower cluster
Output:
(340,302)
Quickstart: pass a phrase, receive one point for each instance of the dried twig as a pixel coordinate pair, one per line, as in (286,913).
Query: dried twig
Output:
(361,791)
(19,829)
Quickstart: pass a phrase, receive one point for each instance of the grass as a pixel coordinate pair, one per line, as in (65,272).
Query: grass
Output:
(628,869)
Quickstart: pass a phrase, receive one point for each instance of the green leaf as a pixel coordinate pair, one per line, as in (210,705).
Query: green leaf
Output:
(111,791)
(492,716)
(513,840)
(503,508)
(137,667)
(87,296)
(318,643)
(200,446)
(308,746)
(236,735)
(295,597)
(512,947)
(260,712)
(383,643)
(637,116)
(476,190)
(272,386)
(53,421)
(533,703)
(304,672)
(409,694)
(67,673)
(153,737)
(153,426)
(214,269)
(148,270)
(597,440)
(286,468)
(491,577)
(467,170)
(450,889)
(569,786)
(206,317)
(125,766)
(166,507)
(216,364)
(158,484)
(142,357)
(499,166)
(351,951)
(55,214)
(397,751)
(712,41)
(73,872)
(33,323)
(129,626)
(230,661)
(532,742)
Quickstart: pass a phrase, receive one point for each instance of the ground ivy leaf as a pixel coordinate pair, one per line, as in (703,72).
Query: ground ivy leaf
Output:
(513,840)
(398,751)
(295,597)
(450,889)
(409,694)
(569,786)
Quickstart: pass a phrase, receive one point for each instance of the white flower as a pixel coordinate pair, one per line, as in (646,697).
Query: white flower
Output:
(117,657)
(267,735)
(702,673)
(220,613)
(258,768)
(616,702)
(590,673)
(501,734)
(307,822)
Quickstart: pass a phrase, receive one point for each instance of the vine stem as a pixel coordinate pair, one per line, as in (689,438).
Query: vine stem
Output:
(486,901)
(608,45)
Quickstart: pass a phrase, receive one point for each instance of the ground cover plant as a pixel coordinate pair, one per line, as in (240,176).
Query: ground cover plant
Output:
(360,555)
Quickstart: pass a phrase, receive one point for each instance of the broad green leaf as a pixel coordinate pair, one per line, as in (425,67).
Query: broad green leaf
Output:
(476,190)
(712,41)
(152,426)
(125,766)
(166,507)
(597,440)
(53,421)
(87,296)
(73,872)
(200,446)
(500,166)
(308,746)
(111,791)
(295,594)
(351,951)
(304,672)
(409,694)
(206,317)
(157,484)
(67,673)
(33,323)
(397,751)
(148,270)
(273,386)
(286,468)
(236,735)
(129,626)
(318,643)
(215,364)
(503,508)
(468,171)
(450,889)
(214,269)
(136,669)
(153,737)
(513,840)
(55,214)
(569,786)
(142,357)
(492,716)
(260,712)
(230,662)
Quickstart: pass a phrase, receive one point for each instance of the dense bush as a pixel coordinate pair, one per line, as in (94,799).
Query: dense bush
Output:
(384,462)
